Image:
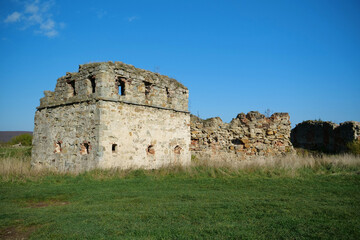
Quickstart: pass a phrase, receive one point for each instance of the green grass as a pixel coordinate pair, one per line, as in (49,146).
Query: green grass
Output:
(205,205)
(15,152)
(281,198)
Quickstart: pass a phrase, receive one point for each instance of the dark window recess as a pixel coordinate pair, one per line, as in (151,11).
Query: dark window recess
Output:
(72,86)
(93,83)
(58,147)
(85,148)
(168,95)
(148,87)
(114,148)
(151,149)
(120,86)
(177,149)
(236,141)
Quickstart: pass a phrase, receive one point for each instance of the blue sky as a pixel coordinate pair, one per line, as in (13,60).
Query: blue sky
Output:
(300,57)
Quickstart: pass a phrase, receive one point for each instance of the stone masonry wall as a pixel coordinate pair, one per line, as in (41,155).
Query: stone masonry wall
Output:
(144,137)
(112,115)
(65,137)
(246,136)
(117,82)
(325,136)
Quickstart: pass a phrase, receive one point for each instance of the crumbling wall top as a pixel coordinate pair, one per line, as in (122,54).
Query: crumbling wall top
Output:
(117,81)
(246,135)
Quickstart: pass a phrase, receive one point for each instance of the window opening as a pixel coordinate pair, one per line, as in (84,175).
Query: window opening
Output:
(93,83)
(72,86)
(151,149)
(58,147)
(120,85)
(114,148)
(168,95)
(236,141)
(147,88)
(177,149)
(85,148)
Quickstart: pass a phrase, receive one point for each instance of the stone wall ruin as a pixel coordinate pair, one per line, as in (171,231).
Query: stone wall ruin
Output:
(325,136)
(113,115)
(245,137)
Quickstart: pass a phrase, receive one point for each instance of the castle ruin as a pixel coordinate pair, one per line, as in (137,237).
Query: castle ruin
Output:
(113,115)
(110,115)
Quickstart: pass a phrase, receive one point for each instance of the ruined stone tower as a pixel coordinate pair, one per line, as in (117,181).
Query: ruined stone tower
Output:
(112,115)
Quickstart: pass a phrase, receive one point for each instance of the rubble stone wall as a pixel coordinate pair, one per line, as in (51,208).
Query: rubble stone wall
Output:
(246,136)
(61,134)
(325,136)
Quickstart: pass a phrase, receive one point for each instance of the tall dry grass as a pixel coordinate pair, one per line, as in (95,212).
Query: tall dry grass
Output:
(15,168)
(287,162)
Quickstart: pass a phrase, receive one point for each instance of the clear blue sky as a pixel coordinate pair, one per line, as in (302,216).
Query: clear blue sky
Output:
(300,57)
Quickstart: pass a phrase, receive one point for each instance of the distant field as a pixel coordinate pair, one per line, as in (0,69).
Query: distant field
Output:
(200,202)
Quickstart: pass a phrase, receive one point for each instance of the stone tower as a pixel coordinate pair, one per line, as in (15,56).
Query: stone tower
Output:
(112,115)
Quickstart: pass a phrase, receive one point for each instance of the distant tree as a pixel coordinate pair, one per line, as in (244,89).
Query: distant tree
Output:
(25,139)
(268,113)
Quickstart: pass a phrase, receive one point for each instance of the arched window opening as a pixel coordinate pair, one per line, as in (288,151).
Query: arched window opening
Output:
(177,149)
(114,148)
(71,84)
(93,83)
(85,148)
(151,149)
(120,86)
(58,148)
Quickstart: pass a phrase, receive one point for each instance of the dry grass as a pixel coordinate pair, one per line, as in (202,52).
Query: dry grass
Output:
(12,168)
(17,168)
(288,162)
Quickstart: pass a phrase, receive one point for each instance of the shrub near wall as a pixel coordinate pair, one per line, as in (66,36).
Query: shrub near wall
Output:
(354,147)
(25,140)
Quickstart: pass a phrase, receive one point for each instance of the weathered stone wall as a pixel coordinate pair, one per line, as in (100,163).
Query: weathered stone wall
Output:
(117,82)
(61,134)
(325,136)
(144,137)
(314,135)
(112,115)
(246,136)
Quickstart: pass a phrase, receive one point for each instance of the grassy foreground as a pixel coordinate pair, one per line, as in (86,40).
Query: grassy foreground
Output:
(321,200)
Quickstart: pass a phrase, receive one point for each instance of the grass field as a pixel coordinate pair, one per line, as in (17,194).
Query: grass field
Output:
(320,198)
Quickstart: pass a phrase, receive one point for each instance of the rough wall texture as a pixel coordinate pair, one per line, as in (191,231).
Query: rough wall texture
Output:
(246,136)
(325,136)
(145,137)
(61,135)
(112,115)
